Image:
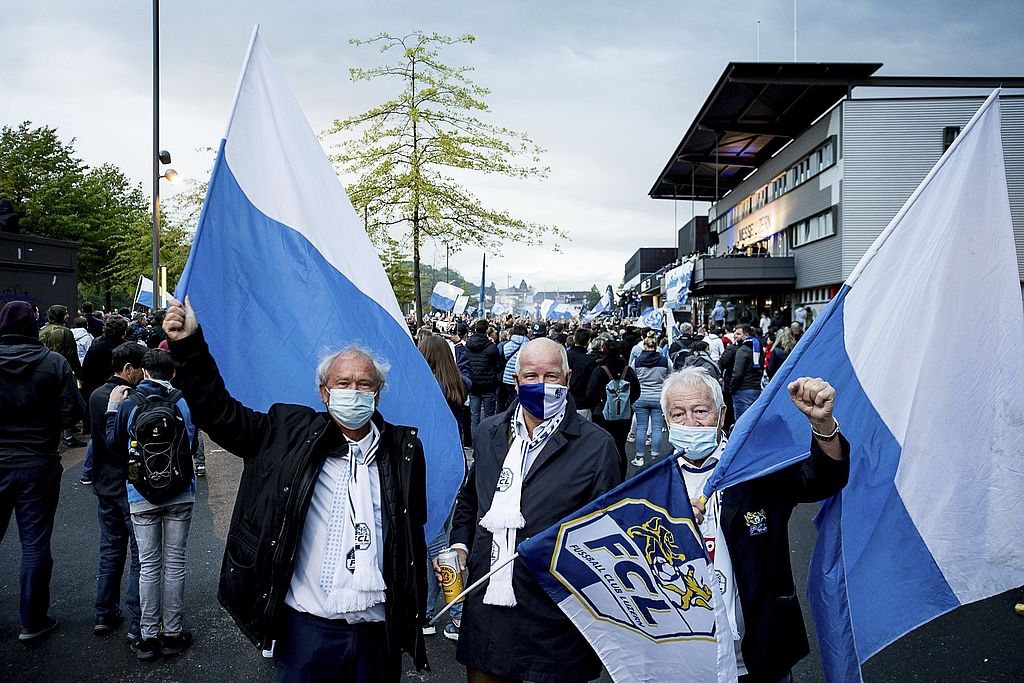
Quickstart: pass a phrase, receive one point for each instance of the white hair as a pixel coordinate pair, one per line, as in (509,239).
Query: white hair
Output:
(561,352)
(380,365)
(692,378)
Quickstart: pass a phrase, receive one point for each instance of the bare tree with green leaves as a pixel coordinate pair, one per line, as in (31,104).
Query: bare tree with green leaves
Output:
(407,145)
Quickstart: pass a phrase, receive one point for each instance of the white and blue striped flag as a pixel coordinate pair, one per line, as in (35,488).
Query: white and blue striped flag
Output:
(445,296)
(281,271)
(933,515)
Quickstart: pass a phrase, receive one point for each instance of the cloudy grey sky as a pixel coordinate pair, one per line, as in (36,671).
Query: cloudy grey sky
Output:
(608,88)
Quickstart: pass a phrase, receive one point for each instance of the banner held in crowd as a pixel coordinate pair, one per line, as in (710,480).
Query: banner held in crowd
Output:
(631,571)
(281,272)
(677,285)
(932,517)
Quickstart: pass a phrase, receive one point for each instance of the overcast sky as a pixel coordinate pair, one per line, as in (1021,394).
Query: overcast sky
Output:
(607,88)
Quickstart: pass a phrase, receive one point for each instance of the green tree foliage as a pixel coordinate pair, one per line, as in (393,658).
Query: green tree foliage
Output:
(56,195)
(593,296)
(408,144)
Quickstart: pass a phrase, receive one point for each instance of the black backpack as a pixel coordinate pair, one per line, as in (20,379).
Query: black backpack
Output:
(159,452)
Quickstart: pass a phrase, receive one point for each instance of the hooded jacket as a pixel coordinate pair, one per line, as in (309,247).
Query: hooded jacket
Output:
(651,369)
(510,351)
(485,363)
(38,400)
(58,338)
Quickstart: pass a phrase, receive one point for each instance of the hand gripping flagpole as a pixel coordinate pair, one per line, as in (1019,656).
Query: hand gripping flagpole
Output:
(476,584)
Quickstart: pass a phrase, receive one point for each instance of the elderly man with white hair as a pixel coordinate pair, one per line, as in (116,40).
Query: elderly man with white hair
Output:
(746,527)
(325,553)
(535,463)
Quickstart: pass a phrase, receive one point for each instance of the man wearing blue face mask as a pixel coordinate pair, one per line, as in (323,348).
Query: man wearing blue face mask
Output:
(535,463)
(746,527)
(325,553)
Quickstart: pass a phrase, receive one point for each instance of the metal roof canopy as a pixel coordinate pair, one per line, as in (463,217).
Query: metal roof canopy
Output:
(756,108)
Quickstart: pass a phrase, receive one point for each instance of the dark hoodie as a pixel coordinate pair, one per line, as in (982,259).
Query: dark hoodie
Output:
(484,362)
(38,395)
(58,338)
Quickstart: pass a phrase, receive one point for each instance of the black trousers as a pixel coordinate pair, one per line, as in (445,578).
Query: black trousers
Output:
(312,649)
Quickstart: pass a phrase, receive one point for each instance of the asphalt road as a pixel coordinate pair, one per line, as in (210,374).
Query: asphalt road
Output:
(983,642)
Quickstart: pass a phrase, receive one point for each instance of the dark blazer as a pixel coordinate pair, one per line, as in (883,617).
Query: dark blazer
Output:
(283,450)
(755,523)
(533,640)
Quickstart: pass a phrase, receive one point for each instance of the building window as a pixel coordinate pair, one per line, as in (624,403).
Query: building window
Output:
(949,134)
(812,229)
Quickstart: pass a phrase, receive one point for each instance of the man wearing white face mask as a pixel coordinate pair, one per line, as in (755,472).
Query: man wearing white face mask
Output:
(745,527)
(535,463)
(325,553)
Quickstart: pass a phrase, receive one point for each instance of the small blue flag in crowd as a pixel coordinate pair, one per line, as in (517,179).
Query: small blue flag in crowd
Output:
(281,271)
(632,573)
(444,296)
(933,516)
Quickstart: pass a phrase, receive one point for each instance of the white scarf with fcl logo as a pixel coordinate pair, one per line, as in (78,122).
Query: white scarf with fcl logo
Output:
(505,515)
(351,545)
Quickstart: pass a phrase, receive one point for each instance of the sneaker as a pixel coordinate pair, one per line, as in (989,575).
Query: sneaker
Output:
(451,632)
(269,653)
(175,645)
(429,629)
(86,481)
(146,648)
(631,438)
(48,628)
(133,633)
(648,442)
(72,442)
(201,471)
(637,462)
(107,623)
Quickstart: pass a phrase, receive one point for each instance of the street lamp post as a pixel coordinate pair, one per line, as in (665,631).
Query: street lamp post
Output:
(156,152)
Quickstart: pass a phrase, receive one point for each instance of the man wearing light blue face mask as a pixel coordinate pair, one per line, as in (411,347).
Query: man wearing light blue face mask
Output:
(325,553)
(535,463)
(745,528)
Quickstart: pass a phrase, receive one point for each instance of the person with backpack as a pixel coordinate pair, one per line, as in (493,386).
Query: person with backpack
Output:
(153,431)
(509,349)
(700,358)
(651,371)
(613,390)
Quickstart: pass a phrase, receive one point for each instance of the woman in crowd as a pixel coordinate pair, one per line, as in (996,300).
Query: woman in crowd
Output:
(611,369)
(651,371)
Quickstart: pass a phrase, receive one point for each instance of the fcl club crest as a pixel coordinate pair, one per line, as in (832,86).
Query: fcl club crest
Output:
(634,565)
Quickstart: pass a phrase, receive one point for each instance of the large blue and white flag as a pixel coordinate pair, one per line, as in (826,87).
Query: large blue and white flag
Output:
(603,306)
(144,292)
(546,308)
(677,285)
(933,515)
(632,573)
(281,272)
(445,296)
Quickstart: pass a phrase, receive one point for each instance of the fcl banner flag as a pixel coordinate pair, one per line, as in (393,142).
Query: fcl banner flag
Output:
(933,515)
(632,573)
(281,272)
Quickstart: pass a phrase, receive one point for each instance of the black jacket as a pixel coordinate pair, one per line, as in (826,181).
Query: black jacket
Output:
(109,471)
(283,450)
(774,635)
(533,640)
(739,360)
(38,400)
(484,362)
(582,365)
(98,364)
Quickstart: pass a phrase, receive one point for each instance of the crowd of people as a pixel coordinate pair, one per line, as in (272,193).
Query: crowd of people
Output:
(326,565)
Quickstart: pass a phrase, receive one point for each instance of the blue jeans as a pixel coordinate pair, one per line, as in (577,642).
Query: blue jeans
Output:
(647,410)
(488,401)
(743,399)
(313,649)
(117,537)
(161,534)
(87,467)
(433,587)
(32,494)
